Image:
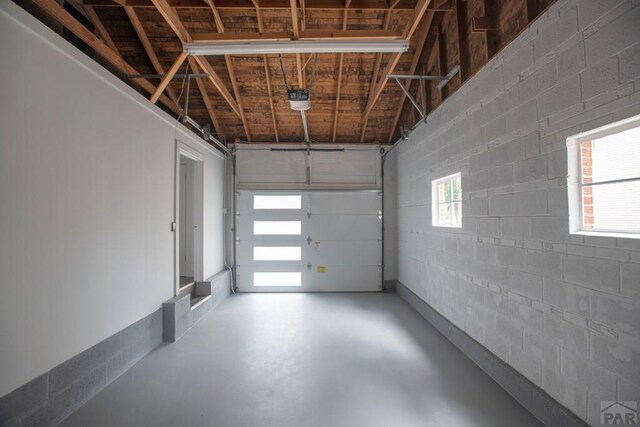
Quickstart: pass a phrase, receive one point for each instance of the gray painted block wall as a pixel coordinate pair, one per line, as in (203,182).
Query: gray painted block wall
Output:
(54,395)
(562,310)
(51,397)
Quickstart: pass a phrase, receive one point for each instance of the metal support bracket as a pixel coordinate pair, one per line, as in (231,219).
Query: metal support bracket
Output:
(413,101)
(443,79)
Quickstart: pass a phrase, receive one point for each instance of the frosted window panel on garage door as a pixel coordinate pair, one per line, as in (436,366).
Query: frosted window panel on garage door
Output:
(277,253)
(277,228)
(277,278)
(272,202)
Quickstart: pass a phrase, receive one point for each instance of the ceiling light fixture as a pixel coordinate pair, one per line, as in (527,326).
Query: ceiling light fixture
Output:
(294,46)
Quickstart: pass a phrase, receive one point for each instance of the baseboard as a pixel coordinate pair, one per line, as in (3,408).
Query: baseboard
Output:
(389,285)
(54,395)
(545,408)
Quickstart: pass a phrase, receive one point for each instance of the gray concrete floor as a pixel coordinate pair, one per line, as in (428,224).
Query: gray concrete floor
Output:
(306,360)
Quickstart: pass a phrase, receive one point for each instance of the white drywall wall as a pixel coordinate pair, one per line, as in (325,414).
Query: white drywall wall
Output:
(563,310)
(86,201)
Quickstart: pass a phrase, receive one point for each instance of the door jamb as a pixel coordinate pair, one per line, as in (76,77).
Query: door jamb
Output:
(198,213)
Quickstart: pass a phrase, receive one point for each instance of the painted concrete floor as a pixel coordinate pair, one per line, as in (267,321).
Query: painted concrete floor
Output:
(306,360)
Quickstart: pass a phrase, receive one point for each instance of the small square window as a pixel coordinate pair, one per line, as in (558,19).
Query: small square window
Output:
(604,180)
(446,199)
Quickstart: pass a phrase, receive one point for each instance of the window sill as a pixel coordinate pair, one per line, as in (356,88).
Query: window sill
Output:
(607,234)
(446,226)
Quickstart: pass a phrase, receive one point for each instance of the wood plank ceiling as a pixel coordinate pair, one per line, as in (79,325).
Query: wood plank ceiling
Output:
(244,97)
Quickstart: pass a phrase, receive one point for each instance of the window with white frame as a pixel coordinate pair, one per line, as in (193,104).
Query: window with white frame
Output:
(604,180)
(446,199)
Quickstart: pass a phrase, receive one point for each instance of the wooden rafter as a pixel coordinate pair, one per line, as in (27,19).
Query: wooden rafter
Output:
(316,20)
(422,38)
(302,35)
(232,74)
(376,70)
(171,17)
(294,18)
(100,28)
(296,36)
(267,75)
(104,35)
(418,12)
(182,56)
(340,65)
(217,82)
(462,43)
(205,98)
(371,5)
(148,48)
(174,22)
(216,16)
(64,18)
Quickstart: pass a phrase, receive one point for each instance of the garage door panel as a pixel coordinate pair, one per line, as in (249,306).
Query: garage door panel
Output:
(345,203)
(326,241)
(363,278)
(259,167)
(330,253)
(344,227)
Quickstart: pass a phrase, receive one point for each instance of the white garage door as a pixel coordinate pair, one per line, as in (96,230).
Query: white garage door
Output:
(308,241)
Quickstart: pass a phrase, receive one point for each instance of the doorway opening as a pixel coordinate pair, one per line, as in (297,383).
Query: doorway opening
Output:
(187,221)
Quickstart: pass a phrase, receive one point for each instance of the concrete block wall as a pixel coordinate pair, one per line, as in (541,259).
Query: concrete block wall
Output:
(564,310)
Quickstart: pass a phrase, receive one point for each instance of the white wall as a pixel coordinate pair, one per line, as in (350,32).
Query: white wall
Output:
(86,201)
(563,310)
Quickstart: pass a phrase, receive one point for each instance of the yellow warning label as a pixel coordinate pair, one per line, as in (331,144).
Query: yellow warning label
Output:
(322,269)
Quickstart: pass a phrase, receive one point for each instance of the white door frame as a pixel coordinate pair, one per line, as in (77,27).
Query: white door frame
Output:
(183,149)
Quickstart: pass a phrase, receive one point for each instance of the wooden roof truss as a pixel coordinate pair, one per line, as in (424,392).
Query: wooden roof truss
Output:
(244,97)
